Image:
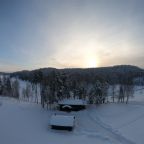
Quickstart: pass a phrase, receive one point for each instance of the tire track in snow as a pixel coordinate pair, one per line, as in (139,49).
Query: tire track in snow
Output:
(85,126)
(94,127)
(113,134)
(132,121)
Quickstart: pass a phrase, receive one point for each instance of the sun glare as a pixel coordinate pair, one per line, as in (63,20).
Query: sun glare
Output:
(92,63)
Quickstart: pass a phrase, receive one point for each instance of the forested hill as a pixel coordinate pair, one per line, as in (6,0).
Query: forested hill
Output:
(111,74)
(4,73)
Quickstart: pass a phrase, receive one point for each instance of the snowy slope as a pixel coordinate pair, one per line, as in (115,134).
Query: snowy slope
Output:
(125,120)
(28,123)
(25,123)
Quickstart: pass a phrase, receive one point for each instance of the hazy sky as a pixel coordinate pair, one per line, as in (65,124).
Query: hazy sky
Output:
(70,33)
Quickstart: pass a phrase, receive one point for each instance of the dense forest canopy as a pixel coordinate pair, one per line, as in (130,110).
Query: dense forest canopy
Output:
(112,75)
(92,84)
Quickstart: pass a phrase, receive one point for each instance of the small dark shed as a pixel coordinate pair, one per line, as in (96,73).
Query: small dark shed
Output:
(72,105)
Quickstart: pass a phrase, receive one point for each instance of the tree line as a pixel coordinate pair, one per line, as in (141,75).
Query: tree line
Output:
(93,85)
(59,85)
(9,87)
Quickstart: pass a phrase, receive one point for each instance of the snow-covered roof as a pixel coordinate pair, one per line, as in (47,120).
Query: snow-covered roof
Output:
(67,106)
(72,102)
(62,120)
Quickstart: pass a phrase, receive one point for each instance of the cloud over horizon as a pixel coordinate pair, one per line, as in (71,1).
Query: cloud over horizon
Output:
(78,33)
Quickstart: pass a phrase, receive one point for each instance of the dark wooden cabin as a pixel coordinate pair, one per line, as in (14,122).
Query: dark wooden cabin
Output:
(72,105)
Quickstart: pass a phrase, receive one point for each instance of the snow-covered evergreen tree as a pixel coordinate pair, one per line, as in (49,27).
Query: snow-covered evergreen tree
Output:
(15,89)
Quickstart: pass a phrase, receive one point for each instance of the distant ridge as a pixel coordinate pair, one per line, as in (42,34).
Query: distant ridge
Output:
(110,74)
(115,67)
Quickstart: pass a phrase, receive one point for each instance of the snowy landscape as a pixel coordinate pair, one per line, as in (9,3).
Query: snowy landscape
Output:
(110,123)
(71,71)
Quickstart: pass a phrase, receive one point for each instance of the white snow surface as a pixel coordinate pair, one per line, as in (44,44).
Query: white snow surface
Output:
(62,120)
(72,102)
(112,123)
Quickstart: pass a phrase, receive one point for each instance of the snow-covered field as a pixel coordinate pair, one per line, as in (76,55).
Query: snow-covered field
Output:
(28,123)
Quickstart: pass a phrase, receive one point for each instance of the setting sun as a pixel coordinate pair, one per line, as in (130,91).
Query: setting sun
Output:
(92,62)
